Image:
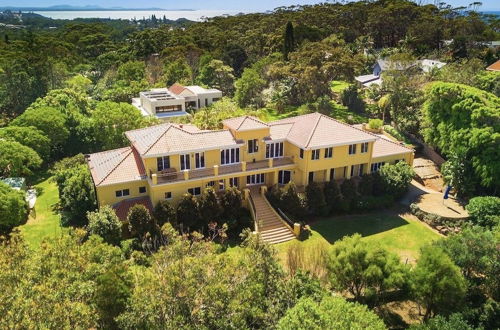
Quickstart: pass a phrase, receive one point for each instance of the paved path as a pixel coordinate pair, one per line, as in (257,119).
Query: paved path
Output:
(414,192)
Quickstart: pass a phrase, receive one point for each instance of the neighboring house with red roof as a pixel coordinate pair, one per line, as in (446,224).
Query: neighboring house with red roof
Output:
(175,100)
(168,160)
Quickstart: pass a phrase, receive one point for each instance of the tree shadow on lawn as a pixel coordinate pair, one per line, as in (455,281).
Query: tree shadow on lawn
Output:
(335,228)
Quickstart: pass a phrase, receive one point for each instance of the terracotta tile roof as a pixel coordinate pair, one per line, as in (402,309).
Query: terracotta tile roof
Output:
(176,88)
(171,138)
(494,67)
(244,123)
(384,147)
(280,131)
(315,130)
(122,208)
(116,166)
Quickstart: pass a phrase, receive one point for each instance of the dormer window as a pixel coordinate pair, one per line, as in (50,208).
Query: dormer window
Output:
(253,146)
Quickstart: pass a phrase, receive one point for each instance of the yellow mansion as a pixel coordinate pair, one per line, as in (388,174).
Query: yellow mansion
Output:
(169,160)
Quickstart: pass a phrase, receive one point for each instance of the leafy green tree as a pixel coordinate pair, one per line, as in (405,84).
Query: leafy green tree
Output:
(484,211)
(315,199)
(76,194)
(329,313)
(216,74)
(79,83)
(291,202)
(364,270)
(453,322)
(29,137)
(48,120)
(111,120)
(13,208)
(188,215)
(333,197)
(17,159)
(462,118)
(177,72)
(249,89)
(395,178)
(131,71)
(165,213)
(106,224)
(437,284)
(350,97)
(349,194)
(288,40)
(209,207)
(69,294)
(231,203)
(140,221)
(365,185)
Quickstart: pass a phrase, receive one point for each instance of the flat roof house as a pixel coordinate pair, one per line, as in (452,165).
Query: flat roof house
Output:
(165,161)
(170,102)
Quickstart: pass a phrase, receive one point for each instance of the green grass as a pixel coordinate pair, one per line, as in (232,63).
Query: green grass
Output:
(338,86)
(43,221)
(342,113)
(404,236)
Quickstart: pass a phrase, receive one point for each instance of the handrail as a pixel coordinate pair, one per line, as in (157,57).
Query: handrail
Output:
(285,217)
(253,212)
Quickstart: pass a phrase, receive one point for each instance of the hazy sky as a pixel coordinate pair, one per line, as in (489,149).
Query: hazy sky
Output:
(243,5)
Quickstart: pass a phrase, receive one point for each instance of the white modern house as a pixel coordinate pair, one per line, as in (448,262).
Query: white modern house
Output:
(382,65)
(170,102)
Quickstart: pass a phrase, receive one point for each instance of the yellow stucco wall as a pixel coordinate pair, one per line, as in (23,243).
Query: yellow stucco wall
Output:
(299,169)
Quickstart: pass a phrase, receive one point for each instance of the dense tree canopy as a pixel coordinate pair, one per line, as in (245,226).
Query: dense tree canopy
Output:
(13,208)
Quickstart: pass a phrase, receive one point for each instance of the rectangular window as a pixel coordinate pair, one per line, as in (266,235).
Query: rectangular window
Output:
(332,174)
(221,185)
(230,156)
(195,191)
(352,149)
(185,162)
(274,150)
(329,152)
(163,162)
(142,190)
(364,147)
(168,195)
(255,179)
(361,168)
(253,146)
(376,166)
(233,182)
(352,170)
(199,160)
(210,184)
(311,177)
(122,193)
(315,154)
(284,177)
(301,153)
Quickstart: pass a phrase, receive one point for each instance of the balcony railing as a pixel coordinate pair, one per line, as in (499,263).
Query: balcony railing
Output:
(171,175)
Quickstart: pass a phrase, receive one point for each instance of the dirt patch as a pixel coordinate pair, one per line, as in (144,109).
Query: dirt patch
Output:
(428,173)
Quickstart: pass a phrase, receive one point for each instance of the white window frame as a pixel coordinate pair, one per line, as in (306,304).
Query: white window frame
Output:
(233,182)
(275,150)
(315,154)
(253,146)
(194,191)
(375,167)
(281,176)
(352,149)
(122,193)
(163,162)
(364,147)
(166,197)
(329,152)
(229,156)
(255,179)
(186,164)
(199,160)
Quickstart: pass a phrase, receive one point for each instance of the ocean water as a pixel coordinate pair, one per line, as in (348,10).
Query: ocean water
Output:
(194,15)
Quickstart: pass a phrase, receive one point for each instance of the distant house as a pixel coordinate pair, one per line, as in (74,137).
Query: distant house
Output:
(384,65)
(174,101)
(15,183)
(494,67)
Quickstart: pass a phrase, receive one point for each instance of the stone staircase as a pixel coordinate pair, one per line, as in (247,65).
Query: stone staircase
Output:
(271,227)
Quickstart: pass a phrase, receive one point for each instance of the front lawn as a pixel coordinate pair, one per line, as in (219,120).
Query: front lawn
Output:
(43,221)
(401,234)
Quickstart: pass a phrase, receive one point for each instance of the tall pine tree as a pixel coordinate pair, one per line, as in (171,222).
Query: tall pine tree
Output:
(289,40)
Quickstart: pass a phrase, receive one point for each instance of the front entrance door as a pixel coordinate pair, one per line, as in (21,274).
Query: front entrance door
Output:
(284,177)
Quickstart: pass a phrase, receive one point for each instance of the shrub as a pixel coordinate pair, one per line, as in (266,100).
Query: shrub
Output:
(484,211)
(209,207)
(365,185)
(291,202)
(375,123)
(140,221)
(106,224)
(349,194)
(396,178)
(315,199)
(231,203)
(13,208)
(333,197)
(350,98)
(165,213)
(187,212)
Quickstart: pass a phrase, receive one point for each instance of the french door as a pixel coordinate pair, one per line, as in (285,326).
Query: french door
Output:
(255,179)
(284,177)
